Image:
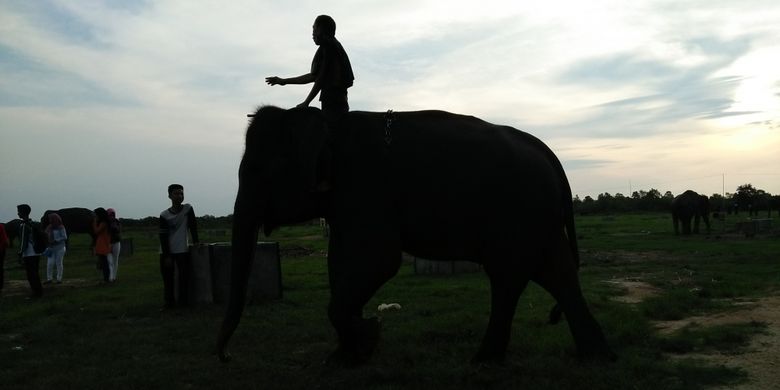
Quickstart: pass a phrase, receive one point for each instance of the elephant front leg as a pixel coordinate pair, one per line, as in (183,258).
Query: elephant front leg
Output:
(354,280)
(357,337)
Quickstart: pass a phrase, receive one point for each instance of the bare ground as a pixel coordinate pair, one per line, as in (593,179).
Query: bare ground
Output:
(761,359)
(15,287)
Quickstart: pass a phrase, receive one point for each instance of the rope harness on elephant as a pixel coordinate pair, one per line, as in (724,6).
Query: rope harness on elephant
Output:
(388,122)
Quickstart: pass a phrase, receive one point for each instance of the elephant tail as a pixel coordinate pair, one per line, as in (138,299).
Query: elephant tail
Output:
(568,215)
(567,208)
(571,233)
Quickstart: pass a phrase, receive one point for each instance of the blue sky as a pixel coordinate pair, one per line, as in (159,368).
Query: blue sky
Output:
(105,103)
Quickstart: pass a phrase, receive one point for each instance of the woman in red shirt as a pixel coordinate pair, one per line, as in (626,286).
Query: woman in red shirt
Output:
(102,240)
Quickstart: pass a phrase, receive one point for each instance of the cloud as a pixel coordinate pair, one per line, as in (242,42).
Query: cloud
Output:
(642,90)
(584,164)
(664,92)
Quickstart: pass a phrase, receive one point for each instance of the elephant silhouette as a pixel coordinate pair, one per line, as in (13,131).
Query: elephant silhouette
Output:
(430,183)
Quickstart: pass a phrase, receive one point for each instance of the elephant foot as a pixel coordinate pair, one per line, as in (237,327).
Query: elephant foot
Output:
(555,315)
(224,356)
(368,333)
(359,346)
(344,358)
(597,352)
(489,356)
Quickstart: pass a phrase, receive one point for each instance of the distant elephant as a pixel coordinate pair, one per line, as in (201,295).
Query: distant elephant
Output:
(690,205)
(75,220)
(12,229)
(433,184)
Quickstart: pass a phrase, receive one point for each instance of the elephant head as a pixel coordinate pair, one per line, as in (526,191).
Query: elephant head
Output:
(280,177)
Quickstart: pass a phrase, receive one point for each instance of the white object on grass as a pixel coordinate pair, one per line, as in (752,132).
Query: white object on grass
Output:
(388,306)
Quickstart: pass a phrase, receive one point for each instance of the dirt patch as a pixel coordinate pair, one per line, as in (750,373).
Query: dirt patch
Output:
(635,290)
(762,310)
(761,359)
(16,287)
(627,257)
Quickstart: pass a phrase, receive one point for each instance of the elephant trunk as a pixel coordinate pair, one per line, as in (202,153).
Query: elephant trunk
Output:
(245,229)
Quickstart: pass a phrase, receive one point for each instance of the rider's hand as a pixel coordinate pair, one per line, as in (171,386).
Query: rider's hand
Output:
(273,80)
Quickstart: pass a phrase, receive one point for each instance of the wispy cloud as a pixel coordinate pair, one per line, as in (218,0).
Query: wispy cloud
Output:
(642,90)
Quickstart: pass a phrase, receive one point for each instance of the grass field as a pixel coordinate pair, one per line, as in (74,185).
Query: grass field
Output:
(83,334)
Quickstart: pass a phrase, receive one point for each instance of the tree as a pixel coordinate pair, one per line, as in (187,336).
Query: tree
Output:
(604,202)
(751,198)
(621,203)
(653,194)
(745,193)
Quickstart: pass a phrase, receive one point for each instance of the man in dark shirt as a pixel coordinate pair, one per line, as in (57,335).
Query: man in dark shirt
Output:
(330,72)
(30,257)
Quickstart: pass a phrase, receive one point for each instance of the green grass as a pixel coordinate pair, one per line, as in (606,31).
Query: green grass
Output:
(87,335)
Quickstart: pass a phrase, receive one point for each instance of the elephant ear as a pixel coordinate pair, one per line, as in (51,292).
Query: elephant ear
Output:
(310,136)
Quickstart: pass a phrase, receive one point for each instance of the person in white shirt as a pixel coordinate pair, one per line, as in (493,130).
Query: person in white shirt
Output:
(174,247)
(55,252)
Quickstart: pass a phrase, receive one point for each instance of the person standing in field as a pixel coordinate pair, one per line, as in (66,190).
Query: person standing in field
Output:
(174,247)
(57,235)
(4,244)
(30,257)
(115,231)
(331,72)
(102,241)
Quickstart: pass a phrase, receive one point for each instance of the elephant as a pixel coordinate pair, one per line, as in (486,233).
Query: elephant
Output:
(12,230)
(690,205)
(75,220)
(433,184)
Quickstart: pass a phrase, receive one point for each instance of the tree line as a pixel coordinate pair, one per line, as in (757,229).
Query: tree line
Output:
(746,199)
(204,222)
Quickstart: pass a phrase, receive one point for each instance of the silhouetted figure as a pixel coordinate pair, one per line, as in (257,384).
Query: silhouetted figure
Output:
(4,244)
(27,251)
(102,241)
(331,72)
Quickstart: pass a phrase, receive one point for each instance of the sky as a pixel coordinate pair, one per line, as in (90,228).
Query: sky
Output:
(105,103)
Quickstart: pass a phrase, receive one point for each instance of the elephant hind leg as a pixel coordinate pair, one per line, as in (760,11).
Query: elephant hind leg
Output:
(507,282)
(558,275)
